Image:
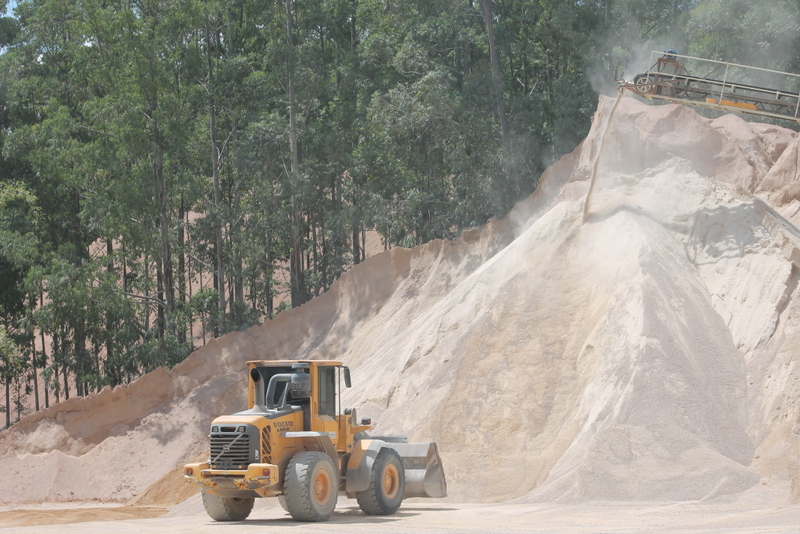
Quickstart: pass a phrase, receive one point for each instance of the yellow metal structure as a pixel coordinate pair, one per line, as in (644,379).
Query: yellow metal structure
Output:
(296,443)
(718,85)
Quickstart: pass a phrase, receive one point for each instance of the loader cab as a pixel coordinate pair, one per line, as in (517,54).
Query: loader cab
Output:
(312,386)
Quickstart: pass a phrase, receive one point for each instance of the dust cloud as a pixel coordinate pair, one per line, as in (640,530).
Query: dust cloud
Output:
(646,354)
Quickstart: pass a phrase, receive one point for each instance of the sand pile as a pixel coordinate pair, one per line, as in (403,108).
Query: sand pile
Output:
(646,354)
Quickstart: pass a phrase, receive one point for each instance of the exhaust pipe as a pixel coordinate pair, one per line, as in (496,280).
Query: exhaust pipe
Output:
(259,393)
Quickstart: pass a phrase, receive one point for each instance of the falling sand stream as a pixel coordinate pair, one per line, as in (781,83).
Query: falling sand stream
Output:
(599,155)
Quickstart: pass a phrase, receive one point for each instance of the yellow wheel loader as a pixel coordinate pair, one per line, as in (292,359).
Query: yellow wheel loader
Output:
(295,443)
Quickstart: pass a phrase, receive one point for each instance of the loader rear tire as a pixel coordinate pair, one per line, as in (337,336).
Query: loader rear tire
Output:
(227,508)
(311,487)
(387,484)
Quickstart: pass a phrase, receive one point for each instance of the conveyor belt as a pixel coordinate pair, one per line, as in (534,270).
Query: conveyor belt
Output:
(667,80)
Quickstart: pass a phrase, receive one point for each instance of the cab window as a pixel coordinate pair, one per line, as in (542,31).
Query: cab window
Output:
(327,391)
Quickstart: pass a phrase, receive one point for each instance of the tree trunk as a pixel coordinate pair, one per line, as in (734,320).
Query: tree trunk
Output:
(64,368)
(202,314)
(55,361)
(147,287)
(268,278)
(96,350)
(189,281)
(111,367)
(182,270)
(44,362)
(238,266)
(35,371)
(8,402)
(166,255)
(236,228)
(124,269)
(220,268)
(497,81)
(161,320)
(296,275)
(164,218)
(17,399)
(315,255)
(356,240)
(81,360)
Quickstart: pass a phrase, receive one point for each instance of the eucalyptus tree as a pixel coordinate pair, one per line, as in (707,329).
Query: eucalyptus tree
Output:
(18,245)
(104,91)
(763,35)
(10,367)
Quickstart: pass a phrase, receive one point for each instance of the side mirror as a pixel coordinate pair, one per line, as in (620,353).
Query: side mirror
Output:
(347,376)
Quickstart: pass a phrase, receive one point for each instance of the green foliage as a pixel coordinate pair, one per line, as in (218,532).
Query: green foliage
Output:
(763,35)
(9,28)
(149,195)
(12,365)
(10,360)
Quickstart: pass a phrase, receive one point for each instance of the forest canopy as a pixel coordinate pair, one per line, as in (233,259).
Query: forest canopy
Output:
(172,170)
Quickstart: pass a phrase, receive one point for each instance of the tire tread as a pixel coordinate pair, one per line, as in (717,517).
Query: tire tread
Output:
(297,484)
(227,509)
(372,501)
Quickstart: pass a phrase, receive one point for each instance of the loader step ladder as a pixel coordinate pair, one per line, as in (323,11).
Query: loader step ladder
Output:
(718,85)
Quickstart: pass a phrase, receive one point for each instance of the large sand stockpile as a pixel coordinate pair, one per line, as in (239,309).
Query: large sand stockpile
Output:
(646,354)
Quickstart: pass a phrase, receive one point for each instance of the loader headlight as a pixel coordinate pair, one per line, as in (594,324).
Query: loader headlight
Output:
(214,429)
(189,471)
(240,430)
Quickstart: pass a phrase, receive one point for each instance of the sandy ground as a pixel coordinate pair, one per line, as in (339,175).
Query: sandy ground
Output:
(427,517)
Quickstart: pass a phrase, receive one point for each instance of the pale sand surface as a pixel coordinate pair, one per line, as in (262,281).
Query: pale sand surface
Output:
(440,517)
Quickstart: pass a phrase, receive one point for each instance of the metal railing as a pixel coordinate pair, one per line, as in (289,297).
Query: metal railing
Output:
(690,80)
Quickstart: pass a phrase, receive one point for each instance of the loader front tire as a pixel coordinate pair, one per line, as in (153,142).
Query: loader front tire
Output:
(227,509)
(282,502)
(387,484)
(311,486)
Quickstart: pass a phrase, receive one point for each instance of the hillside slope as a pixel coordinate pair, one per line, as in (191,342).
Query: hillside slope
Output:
(647,353)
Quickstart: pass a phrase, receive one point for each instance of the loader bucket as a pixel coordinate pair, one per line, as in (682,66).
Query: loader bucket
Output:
(423,469)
